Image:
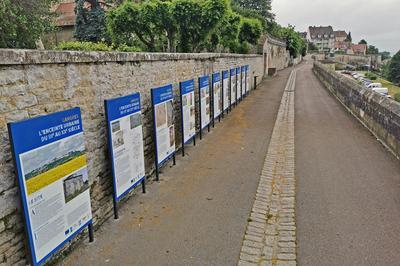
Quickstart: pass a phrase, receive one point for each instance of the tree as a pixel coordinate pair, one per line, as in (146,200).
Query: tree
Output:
(362,42)
(250,31)
(261,7)
(183,25)
(394,69)
(294,42)
(385,55)
(372,50)
(196,21)
(23,22)
(90,23)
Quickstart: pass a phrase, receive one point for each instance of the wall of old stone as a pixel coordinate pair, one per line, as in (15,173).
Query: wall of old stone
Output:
(275,54)
(379,114)
(35,83)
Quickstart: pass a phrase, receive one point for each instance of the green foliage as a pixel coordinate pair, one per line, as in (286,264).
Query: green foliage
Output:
(371,76)
(196,21)
(83,46)
(23,22)
(394,69)
(226,35)
(91,46)
(183,25)
(385,55)
(397,97)
(312,47)
(90,24)
(250,31)
(362,42)
(261,7)
(372,50)
(294,42)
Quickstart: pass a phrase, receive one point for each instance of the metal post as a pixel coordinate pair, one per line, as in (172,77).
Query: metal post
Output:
(91,234)
(116,216)
(255,82)
(144,185)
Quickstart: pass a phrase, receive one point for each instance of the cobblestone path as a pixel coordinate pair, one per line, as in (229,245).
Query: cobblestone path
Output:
(270,237)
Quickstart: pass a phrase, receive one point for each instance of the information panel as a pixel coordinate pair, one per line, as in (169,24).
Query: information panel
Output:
(204,89)
(50,158)
(233,85)
(188,110)
(225,89)
(125,138)
(247,78)
(162,99)
(243,81)
(238,84)
(217,101)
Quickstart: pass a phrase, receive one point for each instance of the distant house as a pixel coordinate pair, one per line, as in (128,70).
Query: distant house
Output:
(322,37)
(340,35)
(342,46)
(358,49)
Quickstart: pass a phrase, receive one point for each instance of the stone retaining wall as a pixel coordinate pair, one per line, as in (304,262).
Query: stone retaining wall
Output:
(34,83)
(378,113)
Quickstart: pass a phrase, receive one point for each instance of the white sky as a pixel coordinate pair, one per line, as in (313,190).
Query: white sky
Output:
(376,21)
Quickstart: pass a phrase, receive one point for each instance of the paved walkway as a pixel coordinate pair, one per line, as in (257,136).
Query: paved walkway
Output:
(197,214)
(348,185)
(270,237)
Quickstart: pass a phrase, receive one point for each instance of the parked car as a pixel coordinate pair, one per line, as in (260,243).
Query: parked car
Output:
(382,91)
(374,85)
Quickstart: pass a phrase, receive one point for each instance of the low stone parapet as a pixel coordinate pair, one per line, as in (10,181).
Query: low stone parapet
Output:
(379,114)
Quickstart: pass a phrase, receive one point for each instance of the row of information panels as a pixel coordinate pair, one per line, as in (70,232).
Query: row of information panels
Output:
(51,159)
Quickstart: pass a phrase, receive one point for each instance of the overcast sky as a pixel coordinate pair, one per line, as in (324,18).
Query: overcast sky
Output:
(376,21)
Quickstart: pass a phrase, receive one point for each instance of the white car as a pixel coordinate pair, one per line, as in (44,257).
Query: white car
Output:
(374,85)
(382,91)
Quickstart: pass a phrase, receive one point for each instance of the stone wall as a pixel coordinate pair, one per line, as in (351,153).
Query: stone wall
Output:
(276,56)
(35,83)
(378,113)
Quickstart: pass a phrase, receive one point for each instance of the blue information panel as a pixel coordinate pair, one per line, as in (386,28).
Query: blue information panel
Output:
(217,99)
(243,81)
(188,110)
(225,90)
(125,141)
(50,157)
(247,78)
(162,99)
(204,89)
(233,85)
(238,84)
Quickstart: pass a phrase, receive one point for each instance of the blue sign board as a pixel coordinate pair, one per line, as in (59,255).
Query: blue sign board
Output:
(125,141)
(164,128)
(204,101)
(50,158)
(188,115)
(217,103)
(225,90)
(238,84)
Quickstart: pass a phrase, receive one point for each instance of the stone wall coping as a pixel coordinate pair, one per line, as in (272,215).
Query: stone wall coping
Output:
(24,57)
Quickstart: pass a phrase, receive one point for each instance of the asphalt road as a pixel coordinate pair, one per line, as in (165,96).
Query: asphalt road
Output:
(348,185)
(197,214)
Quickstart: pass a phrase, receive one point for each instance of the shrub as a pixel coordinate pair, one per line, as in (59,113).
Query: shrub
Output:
(397,97)
(83,46)
(91,46)
(371,76)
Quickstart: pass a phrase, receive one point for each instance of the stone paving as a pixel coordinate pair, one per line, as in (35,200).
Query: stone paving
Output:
(270,237)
